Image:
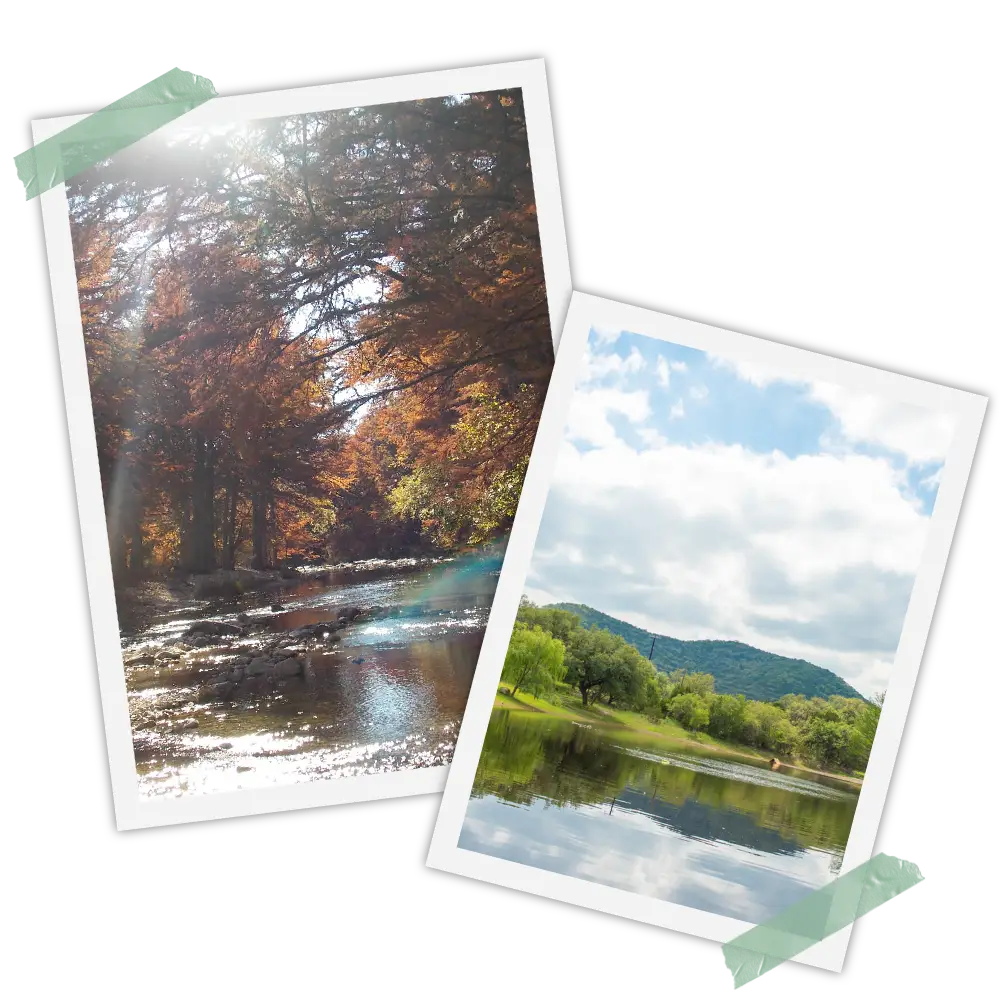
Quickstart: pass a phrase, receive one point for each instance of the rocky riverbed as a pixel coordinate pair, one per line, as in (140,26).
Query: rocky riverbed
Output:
(351,671)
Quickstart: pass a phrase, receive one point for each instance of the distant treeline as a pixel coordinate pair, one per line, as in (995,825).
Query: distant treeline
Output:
(550,646)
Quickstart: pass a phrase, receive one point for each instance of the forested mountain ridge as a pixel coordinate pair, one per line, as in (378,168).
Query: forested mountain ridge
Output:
(736,667)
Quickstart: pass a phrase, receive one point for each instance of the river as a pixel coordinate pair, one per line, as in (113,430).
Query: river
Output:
(704,829)
(386,693)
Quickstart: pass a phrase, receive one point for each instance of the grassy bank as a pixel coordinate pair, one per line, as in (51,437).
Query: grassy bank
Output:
(565,703)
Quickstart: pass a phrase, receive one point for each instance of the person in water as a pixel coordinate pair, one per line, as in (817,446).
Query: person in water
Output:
(775,763)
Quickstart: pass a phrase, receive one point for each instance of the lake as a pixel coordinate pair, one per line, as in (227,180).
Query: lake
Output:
(703,829)
(387,694)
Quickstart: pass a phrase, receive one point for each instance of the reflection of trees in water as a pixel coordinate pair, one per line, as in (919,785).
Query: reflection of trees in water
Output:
(525,758)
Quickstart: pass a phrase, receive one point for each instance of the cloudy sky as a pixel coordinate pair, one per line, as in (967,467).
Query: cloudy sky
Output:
(708,499)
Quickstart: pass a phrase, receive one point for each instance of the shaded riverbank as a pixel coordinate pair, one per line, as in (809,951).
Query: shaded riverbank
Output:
(350,670)
(665,733)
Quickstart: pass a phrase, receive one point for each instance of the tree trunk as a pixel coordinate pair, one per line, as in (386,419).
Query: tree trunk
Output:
(229,524)
(261,556)
(203,507)
(583,694)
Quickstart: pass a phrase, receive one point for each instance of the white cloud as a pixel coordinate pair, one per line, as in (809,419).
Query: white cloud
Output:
(663,372)
(933,481)
(677,410)
(698,392)
(754,372)
(919,434)
(810,557)
(588,415)
(651,437)
(678,366)
(598,366)
(604,335)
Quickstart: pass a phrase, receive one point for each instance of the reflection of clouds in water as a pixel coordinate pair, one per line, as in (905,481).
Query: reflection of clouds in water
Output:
(633,852)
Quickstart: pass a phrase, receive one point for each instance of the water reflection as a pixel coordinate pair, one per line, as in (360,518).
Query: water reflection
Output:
(388,695)
(704,830)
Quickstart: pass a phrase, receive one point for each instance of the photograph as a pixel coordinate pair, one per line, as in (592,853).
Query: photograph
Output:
(316,349)
(684,688)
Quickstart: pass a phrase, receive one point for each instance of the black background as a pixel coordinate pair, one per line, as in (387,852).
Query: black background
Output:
(798,213)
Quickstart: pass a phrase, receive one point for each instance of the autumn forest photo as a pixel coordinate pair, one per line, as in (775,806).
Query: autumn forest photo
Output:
(318,348)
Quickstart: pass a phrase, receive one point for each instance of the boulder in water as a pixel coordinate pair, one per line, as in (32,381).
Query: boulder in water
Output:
(257,666)
(288,668)
(213,629)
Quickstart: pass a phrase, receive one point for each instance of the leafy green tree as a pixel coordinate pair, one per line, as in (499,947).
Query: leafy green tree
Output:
(534,661)
(695,683)
(727,716)
(690,710)
(867,722)
(554,621)
(827,742)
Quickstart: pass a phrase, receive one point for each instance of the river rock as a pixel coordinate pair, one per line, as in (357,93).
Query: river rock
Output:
(257,666)
(186,724)
(288,668)
(201,641)
(217,690)
(142,659)
(214,628)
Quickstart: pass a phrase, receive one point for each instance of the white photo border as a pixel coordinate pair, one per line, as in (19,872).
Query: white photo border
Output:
(585,312)
(131,811)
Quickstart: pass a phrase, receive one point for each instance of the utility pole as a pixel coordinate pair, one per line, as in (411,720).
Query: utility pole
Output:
(651,648)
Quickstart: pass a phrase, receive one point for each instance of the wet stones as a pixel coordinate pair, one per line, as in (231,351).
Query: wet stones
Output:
(213,629)
(184,725)
(221,688)
(257,666)
(144,658)
(288,668)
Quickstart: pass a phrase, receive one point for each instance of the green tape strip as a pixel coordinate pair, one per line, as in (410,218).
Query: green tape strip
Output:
(111,129)
(819,915)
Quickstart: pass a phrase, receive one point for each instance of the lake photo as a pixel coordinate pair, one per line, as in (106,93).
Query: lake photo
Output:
(317,348)
(690,692)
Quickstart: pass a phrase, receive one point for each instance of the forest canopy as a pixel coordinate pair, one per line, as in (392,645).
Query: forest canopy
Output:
(317,337)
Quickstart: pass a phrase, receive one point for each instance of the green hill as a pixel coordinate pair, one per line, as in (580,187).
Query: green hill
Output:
(737,668)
